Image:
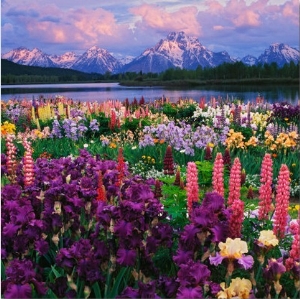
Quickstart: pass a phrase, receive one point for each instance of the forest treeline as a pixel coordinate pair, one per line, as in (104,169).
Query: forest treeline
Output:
(227,73)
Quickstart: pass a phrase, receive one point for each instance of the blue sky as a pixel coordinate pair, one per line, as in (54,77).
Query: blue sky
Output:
(127,28)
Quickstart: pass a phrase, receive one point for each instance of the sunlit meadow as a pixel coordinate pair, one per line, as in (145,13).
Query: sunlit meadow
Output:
(149,200)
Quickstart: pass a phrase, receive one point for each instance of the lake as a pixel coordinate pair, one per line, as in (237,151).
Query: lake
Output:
(113,91)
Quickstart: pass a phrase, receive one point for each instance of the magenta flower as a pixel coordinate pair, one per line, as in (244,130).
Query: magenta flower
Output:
(218,173)
(265,190)
(192,186)
(234,182)
(236,218)
(282,202)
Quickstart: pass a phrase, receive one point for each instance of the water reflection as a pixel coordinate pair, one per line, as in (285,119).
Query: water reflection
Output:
(103,91)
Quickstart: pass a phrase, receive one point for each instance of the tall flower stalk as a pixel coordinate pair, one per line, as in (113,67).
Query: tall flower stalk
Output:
(282,202)
(168,161)
(28,164)
(234,182)
(218,173)
(120,168)
(11,161)
(265,190)
(236,218)
(192,185)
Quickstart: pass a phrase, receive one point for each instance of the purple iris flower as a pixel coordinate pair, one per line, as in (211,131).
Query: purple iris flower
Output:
(123,229)
(18,291)
(168,285)
(274,269)
(59,286)
(129,292)
(81,249)
(189,236)
(130,211)
(147,290)
(183,256)
(189,292)
(21,275)
(126,257)
(10,230)
(11,192)
(139,193)
(163,232)
(88,187)
(89,270)
(213,202)
(65,260)
(101,250)
(41,246)
(193,273)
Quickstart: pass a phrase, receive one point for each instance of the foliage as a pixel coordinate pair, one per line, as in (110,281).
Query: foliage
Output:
(204,172)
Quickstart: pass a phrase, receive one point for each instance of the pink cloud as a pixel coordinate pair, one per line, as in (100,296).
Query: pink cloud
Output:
(214,7)
(247,18)
(218,27)
(84,26)
(185,19)
(291,11)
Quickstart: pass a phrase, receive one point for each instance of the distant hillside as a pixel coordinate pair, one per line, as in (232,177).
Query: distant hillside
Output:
(11,69)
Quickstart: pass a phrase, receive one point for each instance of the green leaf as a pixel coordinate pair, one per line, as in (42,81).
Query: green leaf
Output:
(3,275)
(50,294)
(56,273)
(114,291)
(96,289)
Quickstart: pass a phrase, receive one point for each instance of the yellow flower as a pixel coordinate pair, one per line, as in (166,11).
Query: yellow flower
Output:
(210,144)
(7,128)
(239,288)
(112,145)
(252,141)
(267,238)
(293,134)
(233,248)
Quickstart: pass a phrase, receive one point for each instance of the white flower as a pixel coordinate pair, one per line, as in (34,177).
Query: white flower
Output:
(85,145)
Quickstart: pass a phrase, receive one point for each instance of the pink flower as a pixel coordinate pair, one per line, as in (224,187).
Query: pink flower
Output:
(282,201)
(236,218)
(28,164)
(218,181)
(234,182)
(294,253)
(11,162)
(192,185)
(265,190)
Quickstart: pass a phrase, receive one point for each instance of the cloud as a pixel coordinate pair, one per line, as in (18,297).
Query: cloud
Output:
(154,17)
(130,27)
(291,11)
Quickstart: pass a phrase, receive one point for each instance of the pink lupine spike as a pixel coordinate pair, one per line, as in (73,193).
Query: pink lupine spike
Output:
(265,190)
(234,182)
(282,202)
(192,186)
(218,174)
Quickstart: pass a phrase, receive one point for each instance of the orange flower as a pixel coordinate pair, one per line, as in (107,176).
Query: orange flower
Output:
(274,155)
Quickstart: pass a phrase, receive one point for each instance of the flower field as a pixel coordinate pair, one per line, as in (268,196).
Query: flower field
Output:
(149,200)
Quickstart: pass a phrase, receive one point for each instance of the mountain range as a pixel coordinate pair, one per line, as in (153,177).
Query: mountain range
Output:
(176,50)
